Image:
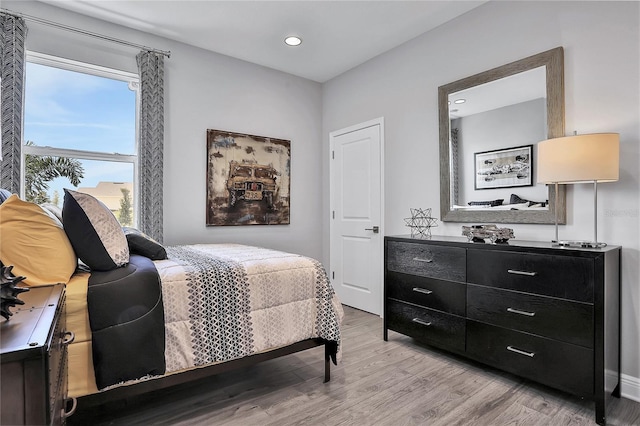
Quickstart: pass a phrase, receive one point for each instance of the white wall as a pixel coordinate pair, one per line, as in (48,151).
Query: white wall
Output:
(602,44)
(204,90)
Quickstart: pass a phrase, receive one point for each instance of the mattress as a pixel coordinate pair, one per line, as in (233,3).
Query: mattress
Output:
(221,302)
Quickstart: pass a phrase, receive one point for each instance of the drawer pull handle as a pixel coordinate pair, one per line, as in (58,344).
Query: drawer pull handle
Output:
(74,405)
(516,311)
(69,337)
(422,290)
(421,322)
(516,272)
(419,259)
(521,352)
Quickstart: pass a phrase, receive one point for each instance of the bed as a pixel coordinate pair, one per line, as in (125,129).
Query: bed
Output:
(503,207)
(147,316)
(515,203)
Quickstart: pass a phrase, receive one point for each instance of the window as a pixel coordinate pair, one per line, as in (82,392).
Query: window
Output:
(80,133)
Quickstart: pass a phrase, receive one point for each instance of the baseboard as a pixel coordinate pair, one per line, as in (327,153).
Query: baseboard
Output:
(630,387)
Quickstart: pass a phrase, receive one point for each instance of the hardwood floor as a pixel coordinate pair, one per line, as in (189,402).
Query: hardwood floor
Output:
(398,382)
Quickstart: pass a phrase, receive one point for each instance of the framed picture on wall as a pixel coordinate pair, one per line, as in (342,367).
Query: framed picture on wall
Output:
(248,179)
(504,168)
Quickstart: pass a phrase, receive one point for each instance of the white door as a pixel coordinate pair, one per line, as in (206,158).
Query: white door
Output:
(356,237)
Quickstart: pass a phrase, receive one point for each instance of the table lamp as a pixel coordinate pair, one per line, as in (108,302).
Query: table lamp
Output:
(580,159)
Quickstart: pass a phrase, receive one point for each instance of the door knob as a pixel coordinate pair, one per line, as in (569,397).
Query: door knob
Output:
(375,229)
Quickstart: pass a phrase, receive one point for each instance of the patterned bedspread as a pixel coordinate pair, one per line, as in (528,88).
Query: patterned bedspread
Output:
(226,301)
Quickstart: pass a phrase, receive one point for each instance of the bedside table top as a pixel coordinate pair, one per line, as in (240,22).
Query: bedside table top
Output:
(29,327)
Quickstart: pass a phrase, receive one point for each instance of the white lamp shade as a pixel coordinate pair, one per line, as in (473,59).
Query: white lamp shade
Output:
(580,158)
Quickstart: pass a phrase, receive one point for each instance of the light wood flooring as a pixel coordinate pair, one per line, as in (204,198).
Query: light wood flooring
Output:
(398,382)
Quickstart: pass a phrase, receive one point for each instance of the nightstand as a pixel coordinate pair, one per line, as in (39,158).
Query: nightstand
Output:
(33,354)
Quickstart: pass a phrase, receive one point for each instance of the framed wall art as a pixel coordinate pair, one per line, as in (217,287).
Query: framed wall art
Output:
(248,179)
(504,168)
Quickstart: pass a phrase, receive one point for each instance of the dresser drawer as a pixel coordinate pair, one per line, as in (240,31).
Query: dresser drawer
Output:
(430,326)
(57,357)
(427,260)
(570,322)
(565,277)
(446,296)
(58,403)
(565,366)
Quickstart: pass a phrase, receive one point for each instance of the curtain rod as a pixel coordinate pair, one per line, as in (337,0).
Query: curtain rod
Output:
(166,53)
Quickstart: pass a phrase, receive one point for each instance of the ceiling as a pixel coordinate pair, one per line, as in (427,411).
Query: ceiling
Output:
(521,87)
(337,35)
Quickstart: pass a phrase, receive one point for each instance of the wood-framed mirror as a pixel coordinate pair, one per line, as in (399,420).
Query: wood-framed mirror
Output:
(501,125)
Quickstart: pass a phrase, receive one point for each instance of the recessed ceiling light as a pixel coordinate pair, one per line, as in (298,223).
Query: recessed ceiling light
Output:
(459,101)
(293,40)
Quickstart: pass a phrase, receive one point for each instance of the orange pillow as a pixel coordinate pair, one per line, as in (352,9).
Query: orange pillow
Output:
(34,244)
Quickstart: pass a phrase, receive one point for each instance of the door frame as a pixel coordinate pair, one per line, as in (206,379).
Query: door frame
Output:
(332,135)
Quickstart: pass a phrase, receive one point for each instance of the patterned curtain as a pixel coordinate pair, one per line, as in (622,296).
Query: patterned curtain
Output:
(12,61)
(454,164)
(151,69)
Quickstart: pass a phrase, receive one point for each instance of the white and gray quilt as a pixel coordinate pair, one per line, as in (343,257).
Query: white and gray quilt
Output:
(226,301)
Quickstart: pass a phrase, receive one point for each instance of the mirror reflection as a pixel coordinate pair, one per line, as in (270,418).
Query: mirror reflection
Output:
(494,131)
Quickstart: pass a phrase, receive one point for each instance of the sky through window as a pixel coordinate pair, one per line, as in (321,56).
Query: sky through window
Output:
(73,110)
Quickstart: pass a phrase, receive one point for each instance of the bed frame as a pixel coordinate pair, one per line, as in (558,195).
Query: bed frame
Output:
(127,391)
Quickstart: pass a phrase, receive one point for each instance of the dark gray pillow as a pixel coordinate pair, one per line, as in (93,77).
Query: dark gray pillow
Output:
(142,244)
(518,200)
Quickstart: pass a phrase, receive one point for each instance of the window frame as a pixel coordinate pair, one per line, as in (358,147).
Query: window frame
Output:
(132,79)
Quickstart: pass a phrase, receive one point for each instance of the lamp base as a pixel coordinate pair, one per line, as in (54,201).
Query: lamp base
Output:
(581,244)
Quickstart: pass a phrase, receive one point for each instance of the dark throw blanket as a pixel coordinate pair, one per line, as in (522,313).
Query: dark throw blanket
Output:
(127,322)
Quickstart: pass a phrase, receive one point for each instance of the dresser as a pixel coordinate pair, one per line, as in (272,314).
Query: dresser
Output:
(33,354)
(549,314)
